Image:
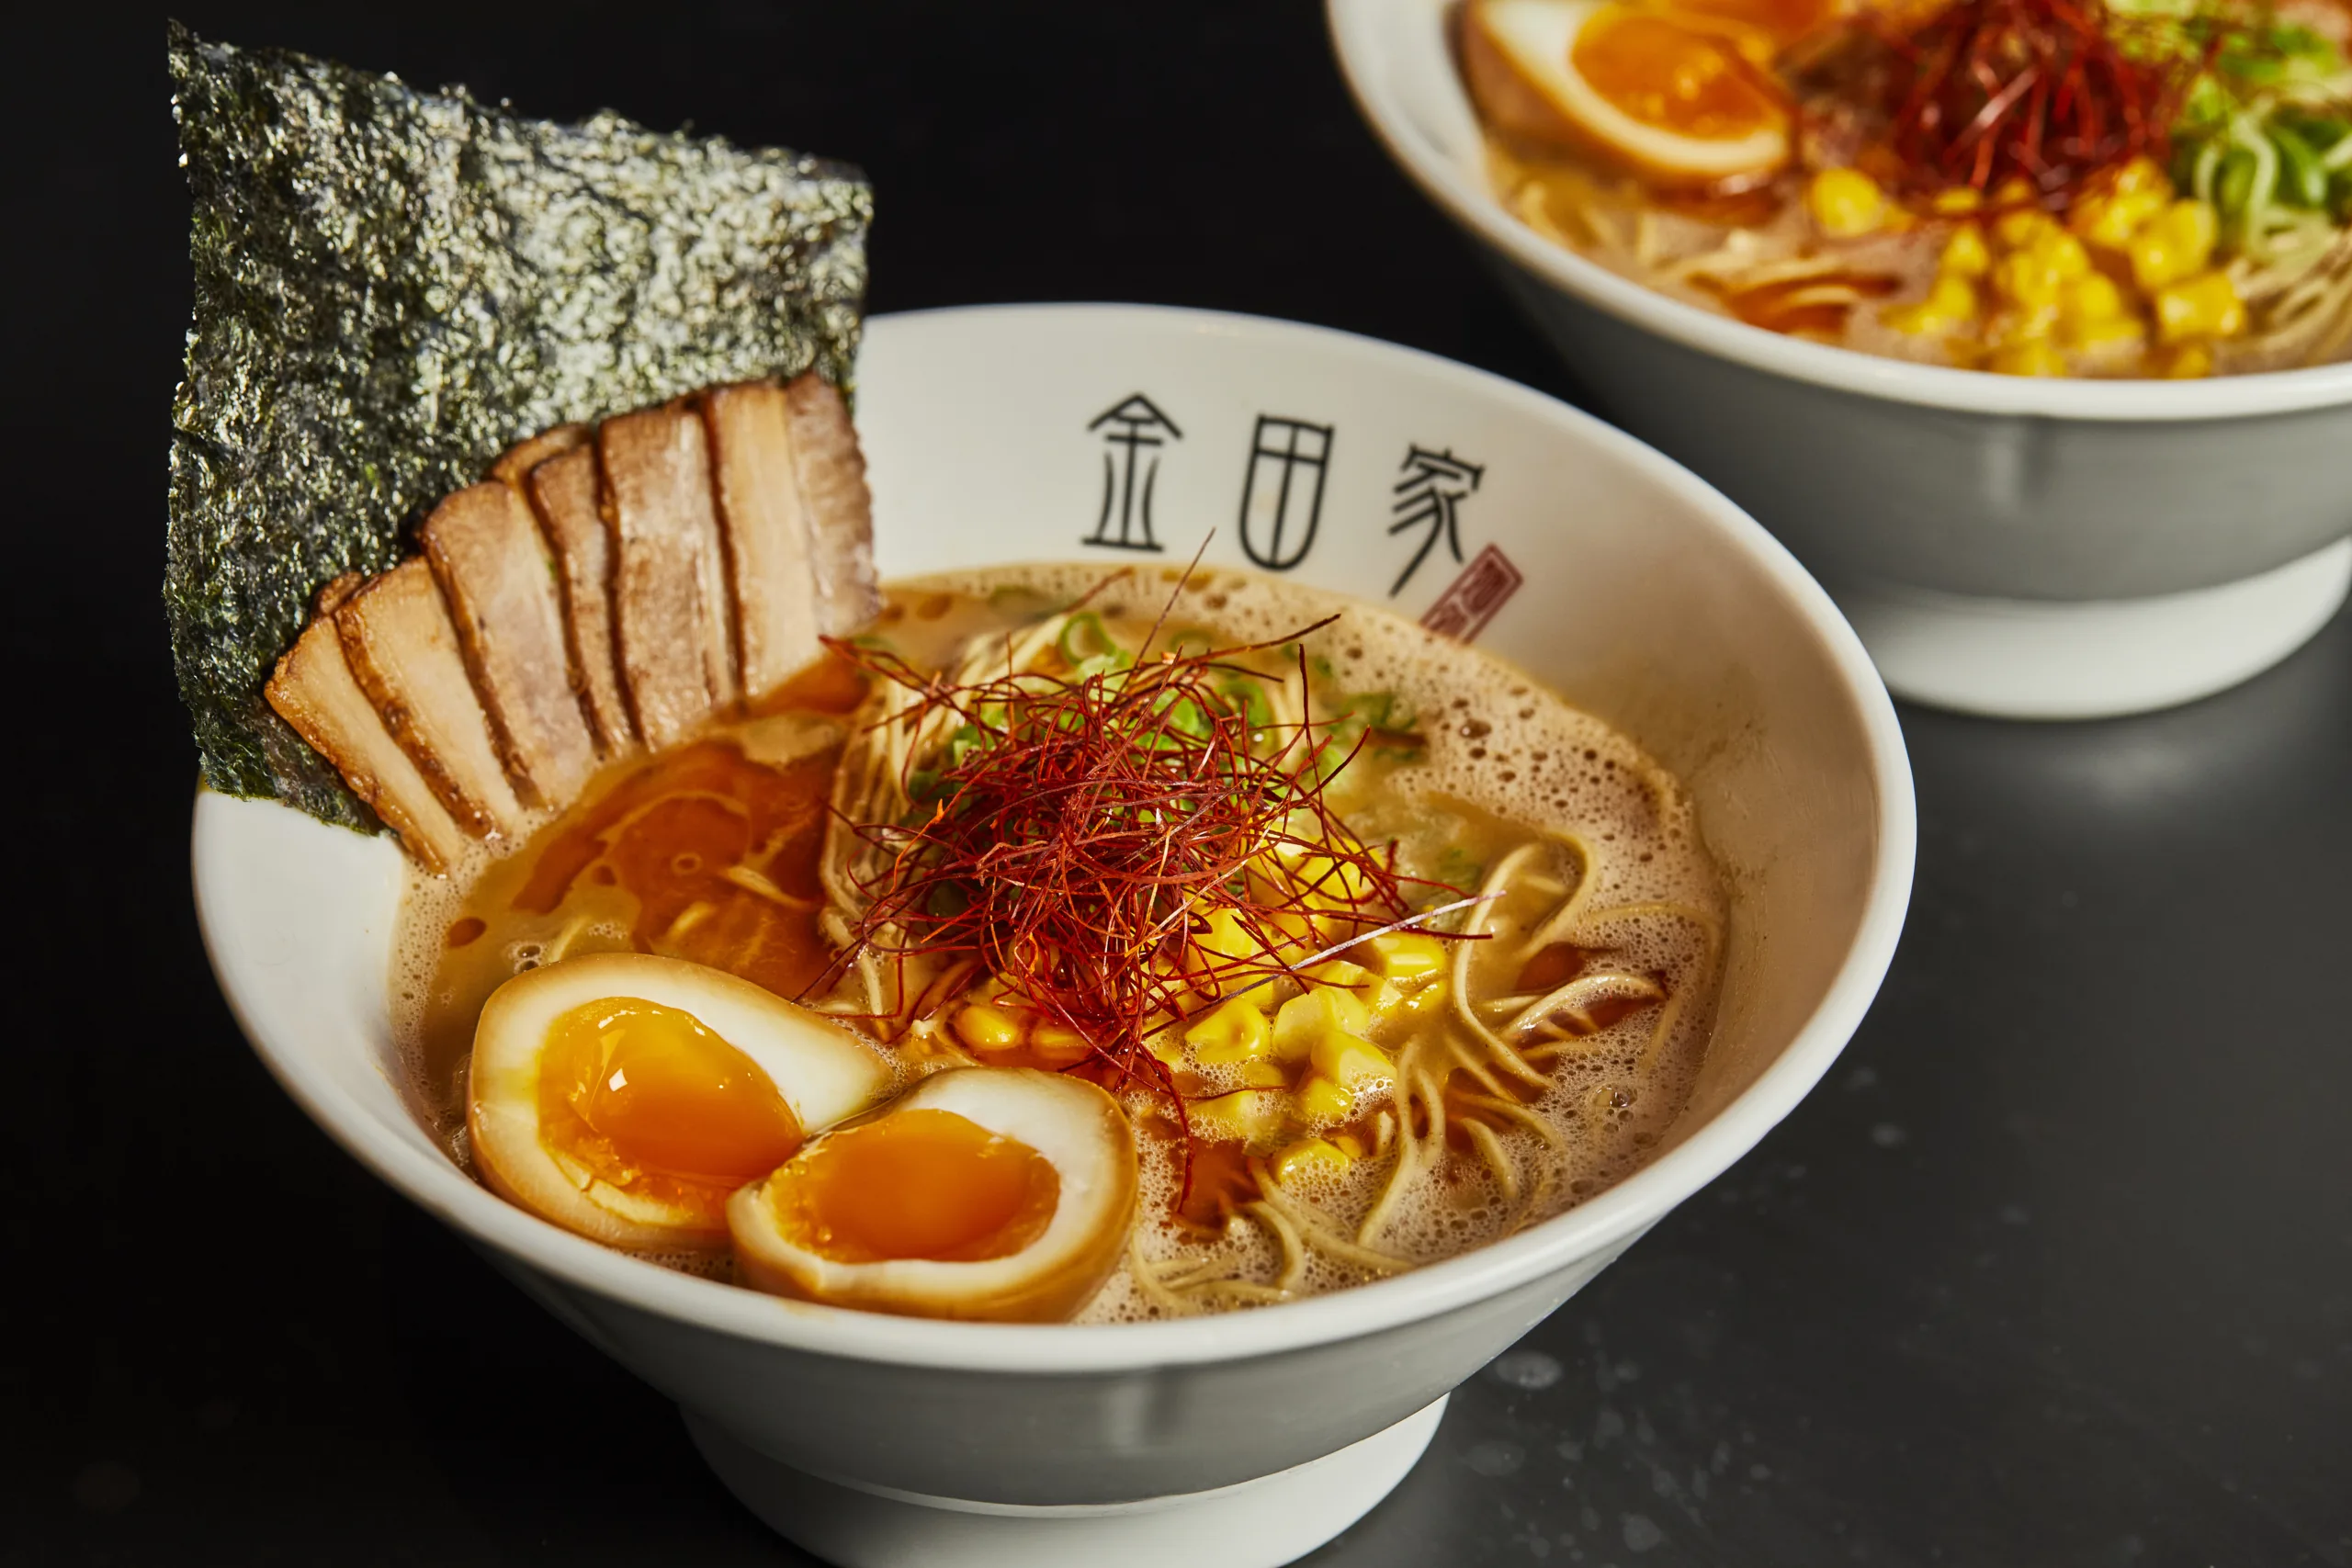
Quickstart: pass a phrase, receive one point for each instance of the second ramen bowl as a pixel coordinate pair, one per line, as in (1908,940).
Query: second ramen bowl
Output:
(1127,436)
(2024,549)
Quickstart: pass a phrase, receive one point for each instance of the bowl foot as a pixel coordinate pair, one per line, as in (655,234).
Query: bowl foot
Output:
(2096,659)
(1254,1524)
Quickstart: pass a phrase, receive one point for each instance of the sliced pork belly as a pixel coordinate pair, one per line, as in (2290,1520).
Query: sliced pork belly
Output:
(670,609)
(563,492)
(499,585)
(403,651)
(777,615)
(515,464)
(313,690)
(840,513)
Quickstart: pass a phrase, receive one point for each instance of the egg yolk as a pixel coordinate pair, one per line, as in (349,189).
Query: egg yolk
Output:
(1665,75)
(919,1183)
(650,1100)
(1780,21)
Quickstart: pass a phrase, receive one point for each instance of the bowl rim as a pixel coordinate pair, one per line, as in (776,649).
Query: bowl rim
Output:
(1364,46)
(432,1181)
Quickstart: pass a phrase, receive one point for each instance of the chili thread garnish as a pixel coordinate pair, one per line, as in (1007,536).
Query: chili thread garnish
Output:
(1078,849)
(1986,92)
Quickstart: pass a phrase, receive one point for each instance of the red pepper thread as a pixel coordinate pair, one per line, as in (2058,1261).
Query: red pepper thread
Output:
(1987,90)
(1078,850)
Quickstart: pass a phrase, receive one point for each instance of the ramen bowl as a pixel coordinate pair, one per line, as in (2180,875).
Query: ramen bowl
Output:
(1128,436)
(2020,547)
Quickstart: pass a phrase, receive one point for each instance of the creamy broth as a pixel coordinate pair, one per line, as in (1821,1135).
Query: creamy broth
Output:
(1542,1063)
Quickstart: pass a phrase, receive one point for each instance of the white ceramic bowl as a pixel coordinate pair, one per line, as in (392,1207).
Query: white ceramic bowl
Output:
(2034,548)
(1646,597)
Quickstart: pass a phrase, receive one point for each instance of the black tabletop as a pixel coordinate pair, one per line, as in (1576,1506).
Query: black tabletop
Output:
(2054,1269)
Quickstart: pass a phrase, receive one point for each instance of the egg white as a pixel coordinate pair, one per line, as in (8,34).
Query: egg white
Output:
(823,1072)
(1535,39)
(1073,1125)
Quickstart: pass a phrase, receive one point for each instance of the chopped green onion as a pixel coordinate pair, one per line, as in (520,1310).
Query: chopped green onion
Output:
(2204,170)
(1249,700)
(2235,185)
(2303,179)
(1101,664)
(1185,718)
(964,743)
(1084,637)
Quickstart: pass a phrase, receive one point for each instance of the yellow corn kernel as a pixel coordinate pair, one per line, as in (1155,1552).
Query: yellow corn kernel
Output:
(1345,1059)
(2108,221)
(1233,1032)
(1950,304)
(2186,363)
(2174,244)
(2141,175)
(2205,306)
(1956,199)
(2026,278)
(1293,932)
(986,1028)
(1409,958)
(1379,994)
(1846,203)
(2024,324)
(1307,1017)
(1322,1102)
(1349,1143)
(1222,945)
(1252,1116)
(1056,1043)
(2035,356)
(1310,1157)
(2094,314)
(2063,254)
(2093,297)
(2108,333)
(1338,883)
(1341,973)
(2025,222)
(1965,254)
(1264,1074)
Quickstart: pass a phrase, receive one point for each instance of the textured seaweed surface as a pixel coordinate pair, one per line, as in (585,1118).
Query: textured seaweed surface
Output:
(391,287)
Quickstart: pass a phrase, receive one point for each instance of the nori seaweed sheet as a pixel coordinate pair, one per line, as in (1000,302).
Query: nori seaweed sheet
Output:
(391,287)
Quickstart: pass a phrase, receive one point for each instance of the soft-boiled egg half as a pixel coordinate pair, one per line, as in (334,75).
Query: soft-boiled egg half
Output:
(1672,95)
(990,1193)
(626,1096)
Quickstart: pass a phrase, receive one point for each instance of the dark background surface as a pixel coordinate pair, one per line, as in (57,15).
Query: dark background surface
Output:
(2055,1268)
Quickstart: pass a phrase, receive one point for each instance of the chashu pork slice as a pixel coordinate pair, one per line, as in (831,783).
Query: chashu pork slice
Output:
(671,610)
(403,652)
(313,690)
(499,582)
(778,606)
(515,464)
(831,471)
(563,492)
